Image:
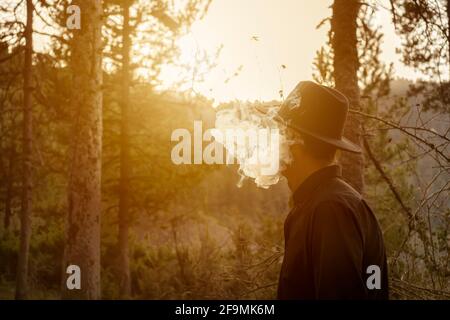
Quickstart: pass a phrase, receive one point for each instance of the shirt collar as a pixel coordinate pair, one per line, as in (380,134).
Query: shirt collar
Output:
(314,180)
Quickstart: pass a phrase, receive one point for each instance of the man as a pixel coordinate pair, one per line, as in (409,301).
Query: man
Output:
(333,244)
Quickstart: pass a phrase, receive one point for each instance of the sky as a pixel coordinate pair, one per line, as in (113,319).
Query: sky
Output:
(260,36)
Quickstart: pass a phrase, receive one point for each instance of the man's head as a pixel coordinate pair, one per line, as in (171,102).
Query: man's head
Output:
(315,116)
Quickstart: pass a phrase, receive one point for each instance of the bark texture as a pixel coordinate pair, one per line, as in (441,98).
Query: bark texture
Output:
(27,147)
(9,188)
(125,165)
(84,191)
(346,64)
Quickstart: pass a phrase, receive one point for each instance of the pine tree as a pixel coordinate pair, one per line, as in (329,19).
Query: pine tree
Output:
(424,27)
(27,171)
(138,27)
(346,64)
(84,192)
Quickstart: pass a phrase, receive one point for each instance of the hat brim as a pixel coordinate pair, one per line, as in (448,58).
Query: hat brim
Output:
(342,144)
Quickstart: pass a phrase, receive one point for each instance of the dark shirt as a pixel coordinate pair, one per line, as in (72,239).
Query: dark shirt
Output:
(331,237)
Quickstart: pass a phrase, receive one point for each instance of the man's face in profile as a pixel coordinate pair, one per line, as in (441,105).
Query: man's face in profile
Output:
(295,151)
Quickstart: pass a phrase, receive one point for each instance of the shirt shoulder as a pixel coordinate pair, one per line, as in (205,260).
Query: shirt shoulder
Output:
(336,192)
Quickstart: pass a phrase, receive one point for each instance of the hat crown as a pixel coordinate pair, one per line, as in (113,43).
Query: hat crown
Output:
(316,109)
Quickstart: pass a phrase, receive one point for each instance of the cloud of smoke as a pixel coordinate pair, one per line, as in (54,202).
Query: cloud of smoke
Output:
(258,142)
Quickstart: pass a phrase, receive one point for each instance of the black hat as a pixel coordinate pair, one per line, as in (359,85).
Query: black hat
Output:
(319,112)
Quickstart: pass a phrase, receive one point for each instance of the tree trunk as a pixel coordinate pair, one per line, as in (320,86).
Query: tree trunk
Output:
(448,34)
(345,64)
(27,183)
(84,190)
(124,197)
(9,187)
